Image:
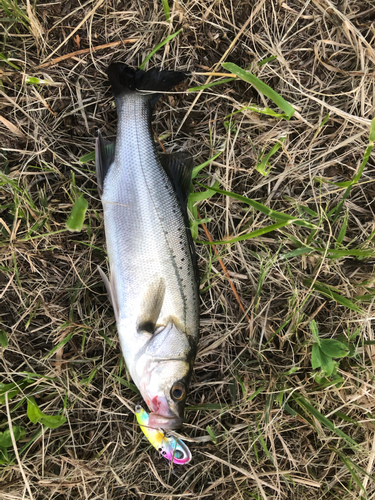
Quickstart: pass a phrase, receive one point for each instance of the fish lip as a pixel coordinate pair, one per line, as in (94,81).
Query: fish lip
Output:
(157,421)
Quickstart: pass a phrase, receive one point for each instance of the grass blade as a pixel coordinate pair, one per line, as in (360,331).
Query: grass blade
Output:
(261,167)
(279,216)
(261,87)
(257,109)
(167,11)
(328,292)
(358,175)
(323,420)
(159,46)
(211,84)
(248,236)
(198,168)
(87,157)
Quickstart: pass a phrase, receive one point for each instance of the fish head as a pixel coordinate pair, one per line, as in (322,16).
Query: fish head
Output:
(164,372)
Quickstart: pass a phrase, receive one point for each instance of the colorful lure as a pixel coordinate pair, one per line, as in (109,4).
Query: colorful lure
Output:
(169,447)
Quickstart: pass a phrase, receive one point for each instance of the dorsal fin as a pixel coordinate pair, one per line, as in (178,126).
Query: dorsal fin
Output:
(104,157)
(179,167)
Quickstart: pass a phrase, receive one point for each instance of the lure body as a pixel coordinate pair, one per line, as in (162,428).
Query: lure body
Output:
(169,447)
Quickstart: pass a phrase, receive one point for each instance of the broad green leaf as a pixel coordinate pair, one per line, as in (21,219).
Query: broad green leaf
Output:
(3,339)
(33,411)
(316,361)
(314,330)
(159,46)
(11,389)
(53,422)
(194,226)
(279,216)
(77,215)
(36,415)
(333,348)
(261,87)
(6,439)
(4,457)
(327,363)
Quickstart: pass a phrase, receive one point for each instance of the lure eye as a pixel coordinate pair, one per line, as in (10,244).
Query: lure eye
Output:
(178,391)
(179,454)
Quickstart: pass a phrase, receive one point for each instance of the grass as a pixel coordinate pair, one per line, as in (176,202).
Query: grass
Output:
(281,403)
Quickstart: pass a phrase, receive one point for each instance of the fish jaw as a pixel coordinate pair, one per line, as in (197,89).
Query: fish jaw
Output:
(161,416)
(157,421)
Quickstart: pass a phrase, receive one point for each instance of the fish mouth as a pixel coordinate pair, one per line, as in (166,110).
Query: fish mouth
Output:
(161,416)
(157,421)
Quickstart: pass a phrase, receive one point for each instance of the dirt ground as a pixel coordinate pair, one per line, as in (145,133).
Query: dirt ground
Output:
(261,422)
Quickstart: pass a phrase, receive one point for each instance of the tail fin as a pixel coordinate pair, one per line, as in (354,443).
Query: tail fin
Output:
(124,79)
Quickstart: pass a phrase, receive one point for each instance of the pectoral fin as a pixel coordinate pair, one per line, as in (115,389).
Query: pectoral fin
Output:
(111,292)
(151,306)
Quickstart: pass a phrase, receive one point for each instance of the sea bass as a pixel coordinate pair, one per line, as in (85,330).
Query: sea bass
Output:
(153,285)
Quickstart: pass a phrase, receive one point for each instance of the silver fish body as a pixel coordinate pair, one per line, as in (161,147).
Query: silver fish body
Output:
(153,280)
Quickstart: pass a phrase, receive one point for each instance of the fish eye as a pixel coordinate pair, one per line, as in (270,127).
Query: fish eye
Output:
(178,454)
(178,391)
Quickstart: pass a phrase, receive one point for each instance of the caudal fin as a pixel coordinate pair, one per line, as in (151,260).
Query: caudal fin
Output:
(124,79)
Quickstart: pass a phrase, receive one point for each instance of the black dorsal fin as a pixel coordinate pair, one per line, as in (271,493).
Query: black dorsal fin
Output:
(179,167)
(104,157)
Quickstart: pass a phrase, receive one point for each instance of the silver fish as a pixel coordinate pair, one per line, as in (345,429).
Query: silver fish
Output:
(153,284)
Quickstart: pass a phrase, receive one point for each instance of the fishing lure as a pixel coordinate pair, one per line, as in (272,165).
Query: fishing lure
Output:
(169,447)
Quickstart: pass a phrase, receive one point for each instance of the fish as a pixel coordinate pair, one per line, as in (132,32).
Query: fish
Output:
(153,282)
(169,447)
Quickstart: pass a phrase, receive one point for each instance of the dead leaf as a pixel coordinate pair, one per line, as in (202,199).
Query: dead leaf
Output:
(77,40)
(15,130)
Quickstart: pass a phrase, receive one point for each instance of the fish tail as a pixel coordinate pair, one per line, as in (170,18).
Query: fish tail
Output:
(125,80)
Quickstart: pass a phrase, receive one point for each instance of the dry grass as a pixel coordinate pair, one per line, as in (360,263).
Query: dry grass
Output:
(264,442)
